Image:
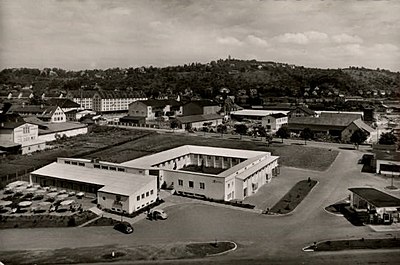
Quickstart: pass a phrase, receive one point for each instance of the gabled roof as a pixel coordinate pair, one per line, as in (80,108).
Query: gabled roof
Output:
(109,94)
(39,110)
(361,125)
(304,109)
(376,197)
(203,102)
(277,115)
(63,103)
(160,102)
(11,125)
(35,120)
(197,118)
(326,119)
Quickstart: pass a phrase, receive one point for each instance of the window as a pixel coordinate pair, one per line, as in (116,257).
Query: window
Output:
(104,167)
(191,184)
(96,166)
(180,182)
(113,168)
(81,164)
(104,198)
(202,185)
(138,198)
(147,194)
(143,196)
(229,185)
(74,163)
(121,169)
(151,192)
(67,162)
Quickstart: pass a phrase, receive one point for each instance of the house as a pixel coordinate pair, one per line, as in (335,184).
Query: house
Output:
(49,95)
(45,113)
(110,101)
(274,121)
(199,121)
(352,127)
(18,136)
(199,107)
(327,123)
(64,103)
(301,111)
(377,206)
(116,187)
(24,94)
(153,108)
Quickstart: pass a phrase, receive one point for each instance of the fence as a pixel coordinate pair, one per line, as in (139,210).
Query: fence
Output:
(18,175)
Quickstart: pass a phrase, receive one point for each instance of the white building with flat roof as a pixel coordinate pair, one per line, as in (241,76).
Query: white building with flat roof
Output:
(218,173)
(117,187)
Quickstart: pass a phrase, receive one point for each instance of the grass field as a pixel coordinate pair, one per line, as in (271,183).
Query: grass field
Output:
(294,197)
(290,155)
(114,253)
(362,243)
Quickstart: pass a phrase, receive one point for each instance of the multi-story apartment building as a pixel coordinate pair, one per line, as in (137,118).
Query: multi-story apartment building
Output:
(108,101)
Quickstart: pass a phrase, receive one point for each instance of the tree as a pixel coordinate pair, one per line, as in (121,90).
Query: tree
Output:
(306,134)
(358,137)
(283,133)
(387,138)
(174,124)
(222,128)
(241,129)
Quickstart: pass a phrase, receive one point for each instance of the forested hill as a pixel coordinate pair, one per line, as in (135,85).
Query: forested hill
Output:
(205,80)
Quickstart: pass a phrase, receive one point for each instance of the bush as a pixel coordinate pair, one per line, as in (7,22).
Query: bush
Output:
(71,222)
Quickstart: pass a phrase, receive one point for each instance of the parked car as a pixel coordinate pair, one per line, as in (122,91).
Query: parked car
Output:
(157,214)
(124,227)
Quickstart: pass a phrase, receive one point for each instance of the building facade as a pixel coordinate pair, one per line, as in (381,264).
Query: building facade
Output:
(274,121)
(108,101)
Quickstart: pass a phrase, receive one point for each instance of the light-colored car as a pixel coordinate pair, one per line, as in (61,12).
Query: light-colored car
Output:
(157,214)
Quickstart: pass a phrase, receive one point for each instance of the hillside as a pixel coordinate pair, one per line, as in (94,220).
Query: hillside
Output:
(254,78)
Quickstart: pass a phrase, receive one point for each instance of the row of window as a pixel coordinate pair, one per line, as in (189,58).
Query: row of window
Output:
(147,194)
(202,185)
(95,166)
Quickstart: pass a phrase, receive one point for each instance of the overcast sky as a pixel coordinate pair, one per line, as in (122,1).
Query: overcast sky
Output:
(103,34)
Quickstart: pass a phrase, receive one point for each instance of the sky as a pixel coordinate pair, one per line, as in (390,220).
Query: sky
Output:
(88,34)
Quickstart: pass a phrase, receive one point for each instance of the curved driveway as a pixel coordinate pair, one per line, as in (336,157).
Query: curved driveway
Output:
(278,239)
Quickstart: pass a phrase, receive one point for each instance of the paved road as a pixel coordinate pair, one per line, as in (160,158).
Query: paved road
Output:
(260,238)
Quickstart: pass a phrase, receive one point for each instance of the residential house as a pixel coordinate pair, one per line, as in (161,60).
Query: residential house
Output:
(274,121)
(199,107)
(153,108)
(45,113)
(301,111)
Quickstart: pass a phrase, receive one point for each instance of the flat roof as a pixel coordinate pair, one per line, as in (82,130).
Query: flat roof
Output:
(113,181)
(376,197)
(151,160)
(253,112)
(61,126)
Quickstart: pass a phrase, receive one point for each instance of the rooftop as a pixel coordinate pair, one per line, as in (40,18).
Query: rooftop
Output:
(277,115)
(197,118)
(327,119)
(376,197)
(60,127)
(253,112)
(113,181)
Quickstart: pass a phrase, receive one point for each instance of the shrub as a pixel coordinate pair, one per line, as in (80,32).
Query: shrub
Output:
(71,222)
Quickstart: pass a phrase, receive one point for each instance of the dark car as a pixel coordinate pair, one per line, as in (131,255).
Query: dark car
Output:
(124,227)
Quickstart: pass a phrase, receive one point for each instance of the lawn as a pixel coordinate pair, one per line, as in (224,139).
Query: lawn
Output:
(294,197)
(206,170)
(114,253)
(82,145)
(290,155)
(362,243)
(46,220)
